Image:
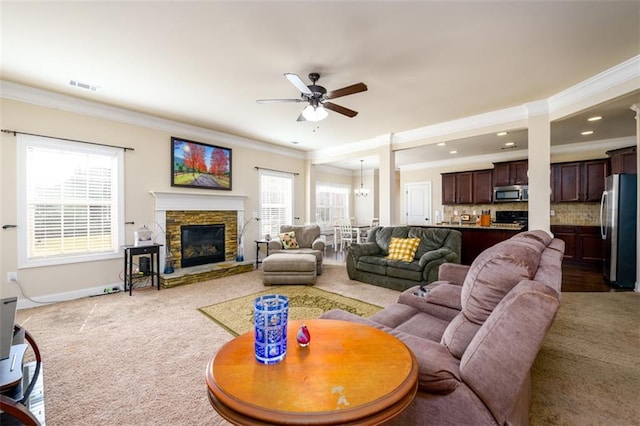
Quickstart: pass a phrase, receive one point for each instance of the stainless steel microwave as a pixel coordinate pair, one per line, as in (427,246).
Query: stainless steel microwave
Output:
(510,194)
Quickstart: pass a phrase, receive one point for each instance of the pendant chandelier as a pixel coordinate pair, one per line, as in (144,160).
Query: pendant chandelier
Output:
(361,192)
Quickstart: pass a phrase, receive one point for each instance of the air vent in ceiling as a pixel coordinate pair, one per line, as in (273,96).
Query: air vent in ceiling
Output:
(86,86)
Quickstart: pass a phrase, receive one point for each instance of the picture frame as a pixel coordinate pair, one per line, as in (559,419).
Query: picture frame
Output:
(200,165)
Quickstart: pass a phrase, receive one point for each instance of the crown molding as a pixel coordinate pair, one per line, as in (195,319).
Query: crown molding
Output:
(352,148)
(627,72)
(45,98)
(510,116)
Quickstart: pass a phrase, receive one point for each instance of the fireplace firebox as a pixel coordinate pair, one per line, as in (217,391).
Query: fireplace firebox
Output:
(202,244)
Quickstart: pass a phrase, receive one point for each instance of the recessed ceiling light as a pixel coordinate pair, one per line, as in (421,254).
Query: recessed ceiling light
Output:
(586,133)
(453,152)
(509,143)
(441,144)
(501,134)
(596,118)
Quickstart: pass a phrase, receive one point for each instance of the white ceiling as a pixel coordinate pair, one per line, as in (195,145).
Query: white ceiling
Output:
(425,62)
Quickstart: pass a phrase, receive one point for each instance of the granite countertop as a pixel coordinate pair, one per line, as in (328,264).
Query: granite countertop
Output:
(493,226)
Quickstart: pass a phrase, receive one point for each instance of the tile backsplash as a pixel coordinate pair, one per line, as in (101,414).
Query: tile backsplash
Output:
(583,214)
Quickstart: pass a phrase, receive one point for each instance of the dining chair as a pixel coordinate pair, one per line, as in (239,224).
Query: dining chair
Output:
(375,222)
(346,234)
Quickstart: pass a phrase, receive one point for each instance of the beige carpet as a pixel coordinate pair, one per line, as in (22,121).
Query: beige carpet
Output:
(588,370)
(141,360)
(236,315)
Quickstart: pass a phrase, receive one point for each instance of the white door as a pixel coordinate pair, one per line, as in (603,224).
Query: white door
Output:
(418,197)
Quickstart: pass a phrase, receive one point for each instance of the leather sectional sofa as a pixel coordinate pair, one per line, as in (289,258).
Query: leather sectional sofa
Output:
(476,332)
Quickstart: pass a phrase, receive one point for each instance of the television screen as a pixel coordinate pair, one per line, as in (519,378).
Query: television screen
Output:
(200,165)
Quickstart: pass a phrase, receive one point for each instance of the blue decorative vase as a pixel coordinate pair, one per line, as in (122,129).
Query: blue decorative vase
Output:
(240,255)
(270,314)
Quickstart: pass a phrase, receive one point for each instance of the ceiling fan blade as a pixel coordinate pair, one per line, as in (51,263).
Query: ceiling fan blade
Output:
(349,90)
(301,118)
(272,101)
(297,81)
(340,109)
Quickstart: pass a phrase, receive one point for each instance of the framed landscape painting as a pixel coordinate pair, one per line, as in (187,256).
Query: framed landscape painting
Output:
(200,165)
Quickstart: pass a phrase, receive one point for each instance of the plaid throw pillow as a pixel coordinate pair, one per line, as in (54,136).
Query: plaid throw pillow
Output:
(403,249)
(289,240)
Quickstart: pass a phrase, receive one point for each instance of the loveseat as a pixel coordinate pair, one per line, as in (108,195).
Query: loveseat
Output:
(476,332)
(368,262)
(307,241)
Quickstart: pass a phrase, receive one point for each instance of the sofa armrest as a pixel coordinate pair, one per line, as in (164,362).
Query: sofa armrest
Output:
(454,273)
(275,245)
(436,254)
(318,244)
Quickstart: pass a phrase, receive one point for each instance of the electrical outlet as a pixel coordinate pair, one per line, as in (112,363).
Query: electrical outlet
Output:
(552,213)
(12,277)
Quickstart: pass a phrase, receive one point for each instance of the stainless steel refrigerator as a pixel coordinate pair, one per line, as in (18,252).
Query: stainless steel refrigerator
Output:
(618,229)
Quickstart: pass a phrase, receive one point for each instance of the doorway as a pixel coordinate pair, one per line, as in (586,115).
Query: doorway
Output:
(418,203)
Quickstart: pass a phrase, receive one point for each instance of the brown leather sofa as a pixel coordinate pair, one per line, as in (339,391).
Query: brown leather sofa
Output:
(476,332)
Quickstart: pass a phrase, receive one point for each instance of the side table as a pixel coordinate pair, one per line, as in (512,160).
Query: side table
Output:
(258,243)
(154,268)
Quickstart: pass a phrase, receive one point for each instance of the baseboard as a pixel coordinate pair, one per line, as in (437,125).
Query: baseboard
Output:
(24,303)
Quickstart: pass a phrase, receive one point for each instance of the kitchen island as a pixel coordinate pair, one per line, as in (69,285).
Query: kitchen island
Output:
(476,238)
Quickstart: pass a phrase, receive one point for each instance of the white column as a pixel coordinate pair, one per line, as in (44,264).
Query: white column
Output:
(387,185)
(310,192)
(539,165)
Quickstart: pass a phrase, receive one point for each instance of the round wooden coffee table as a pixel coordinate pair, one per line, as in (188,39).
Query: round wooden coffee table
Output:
(349,374)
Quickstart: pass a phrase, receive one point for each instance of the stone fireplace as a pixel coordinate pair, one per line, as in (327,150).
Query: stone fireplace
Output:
(176,220)
(175,210)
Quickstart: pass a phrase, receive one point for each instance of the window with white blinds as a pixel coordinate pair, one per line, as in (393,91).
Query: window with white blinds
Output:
(70,201)
(332,204)
(276,201)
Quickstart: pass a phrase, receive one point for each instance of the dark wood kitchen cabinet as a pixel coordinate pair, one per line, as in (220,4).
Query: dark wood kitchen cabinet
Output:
(578,181)
(467,187)
(464,188)
(623,160)
(475,241)
(448,188)
(511,173)
(583,244)
(483,186)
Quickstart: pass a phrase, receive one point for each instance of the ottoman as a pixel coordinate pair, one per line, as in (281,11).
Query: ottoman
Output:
(281,268)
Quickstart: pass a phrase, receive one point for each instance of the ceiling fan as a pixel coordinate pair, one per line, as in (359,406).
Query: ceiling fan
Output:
(317,97)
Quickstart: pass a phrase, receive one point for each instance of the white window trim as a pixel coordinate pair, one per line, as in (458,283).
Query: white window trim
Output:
(23,141)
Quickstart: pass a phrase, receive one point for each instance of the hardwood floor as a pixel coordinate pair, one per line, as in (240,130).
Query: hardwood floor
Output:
(575,278)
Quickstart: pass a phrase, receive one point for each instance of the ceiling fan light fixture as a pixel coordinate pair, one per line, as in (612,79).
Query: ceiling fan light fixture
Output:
(314,113)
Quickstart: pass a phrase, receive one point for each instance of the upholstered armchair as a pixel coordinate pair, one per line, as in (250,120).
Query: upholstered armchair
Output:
(304,240)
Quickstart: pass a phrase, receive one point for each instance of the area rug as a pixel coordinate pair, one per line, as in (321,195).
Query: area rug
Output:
(236,315)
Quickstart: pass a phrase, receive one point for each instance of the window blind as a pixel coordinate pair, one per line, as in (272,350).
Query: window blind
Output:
(70,199)
(276,201)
